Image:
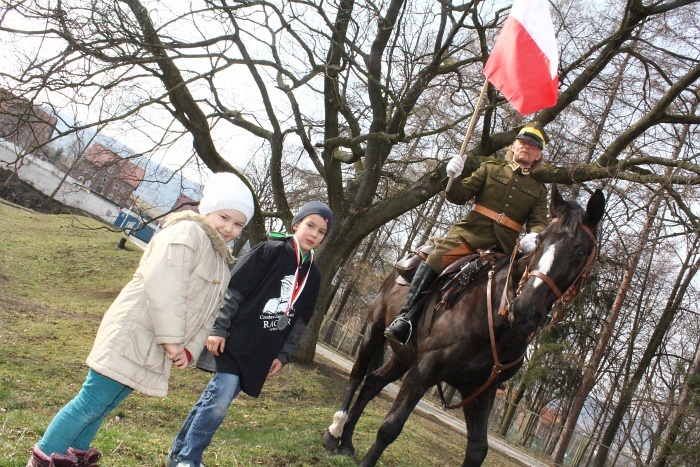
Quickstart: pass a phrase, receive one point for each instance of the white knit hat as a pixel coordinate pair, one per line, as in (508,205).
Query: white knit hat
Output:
(224,190)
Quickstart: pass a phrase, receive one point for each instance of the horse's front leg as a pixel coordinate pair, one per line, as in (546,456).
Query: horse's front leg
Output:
(369,358)
(374,383)
(476,414)
(409,395)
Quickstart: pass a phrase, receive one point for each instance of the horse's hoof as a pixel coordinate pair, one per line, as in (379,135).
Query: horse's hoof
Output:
(346,451)
(329,441)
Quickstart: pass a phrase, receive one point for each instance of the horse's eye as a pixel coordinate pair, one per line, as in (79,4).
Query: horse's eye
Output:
(581,253)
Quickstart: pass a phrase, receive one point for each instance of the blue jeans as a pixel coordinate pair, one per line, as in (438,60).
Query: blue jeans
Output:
(76,424)
(205,418)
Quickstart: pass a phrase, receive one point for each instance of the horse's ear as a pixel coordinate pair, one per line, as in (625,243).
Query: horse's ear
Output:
(596,207)
(557,200)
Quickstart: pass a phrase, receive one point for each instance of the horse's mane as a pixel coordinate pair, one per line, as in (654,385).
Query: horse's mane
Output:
(569,218)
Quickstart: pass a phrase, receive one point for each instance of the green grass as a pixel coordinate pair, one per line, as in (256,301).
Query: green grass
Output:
(57,276)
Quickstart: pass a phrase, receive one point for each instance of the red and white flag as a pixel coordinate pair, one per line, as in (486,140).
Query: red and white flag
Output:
(523,64)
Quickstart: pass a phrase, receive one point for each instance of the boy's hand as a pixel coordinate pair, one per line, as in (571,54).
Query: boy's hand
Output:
(176,353)
(275,368)
(215,344)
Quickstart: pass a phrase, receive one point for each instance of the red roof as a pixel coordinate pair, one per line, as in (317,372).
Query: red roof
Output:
(128,171)
(180,204)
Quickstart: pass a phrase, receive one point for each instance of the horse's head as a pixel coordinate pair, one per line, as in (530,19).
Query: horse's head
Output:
(558,266)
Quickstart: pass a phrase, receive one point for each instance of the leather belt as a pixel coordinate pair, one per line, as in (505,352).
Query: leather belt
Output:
(500,219)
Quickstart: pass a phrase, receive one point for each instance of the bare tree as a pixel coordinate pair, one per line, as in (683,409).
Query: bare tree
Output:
(373,70)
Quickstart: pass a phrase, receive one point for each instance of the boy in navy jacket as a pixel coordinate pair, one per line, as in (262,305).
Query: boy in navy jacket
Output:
(270,298)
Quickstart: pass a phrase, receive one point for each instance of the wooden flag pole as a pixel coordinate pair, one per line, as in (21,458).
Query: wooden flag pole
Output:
(472,124)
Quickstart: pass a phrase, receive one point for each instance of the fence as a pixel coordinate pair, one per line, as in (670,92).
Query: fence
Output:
(537,433)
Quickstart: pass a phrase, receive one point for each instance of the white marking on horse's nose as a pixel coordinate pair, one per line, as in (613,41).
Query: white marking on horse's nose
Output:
(545,264)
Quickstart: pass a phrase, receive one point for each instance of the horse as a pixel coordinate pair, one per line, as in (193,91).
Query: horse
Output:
(466,343)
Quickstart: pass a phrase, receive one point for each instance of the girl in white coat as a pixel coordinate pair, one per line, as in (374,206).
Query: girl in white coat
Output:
(161,318)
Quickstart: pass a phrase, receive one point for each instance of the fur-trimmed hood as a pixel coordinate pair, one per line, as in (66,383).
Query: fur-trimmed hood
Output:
(216,240)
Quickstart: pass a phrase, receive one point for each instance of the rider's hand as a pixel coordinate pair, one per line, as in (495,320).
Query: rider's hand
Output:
(455,166)
(528,242)
(215,344)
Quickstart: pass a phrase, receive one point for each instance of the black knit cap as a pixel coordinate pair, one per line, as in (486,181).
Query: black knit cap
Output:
(315,207)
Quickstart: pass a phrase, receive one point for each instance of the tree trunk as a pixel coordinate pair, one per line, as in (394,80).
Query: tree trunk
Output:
(511,408)
(668,438)
(335,315)
(657,338)
(12,176)
(662,326)
(589,374)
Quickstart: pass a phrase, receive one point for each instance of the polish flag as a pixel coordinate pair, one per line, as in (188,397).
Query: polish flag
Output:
(523,63)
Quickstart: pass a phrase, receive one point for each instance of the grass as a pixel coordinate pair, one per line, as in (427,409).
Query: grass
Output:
(57,276)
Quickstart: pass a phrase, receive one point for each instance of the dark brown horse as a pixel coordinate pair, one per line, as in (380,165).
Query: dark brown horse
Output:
(457,349)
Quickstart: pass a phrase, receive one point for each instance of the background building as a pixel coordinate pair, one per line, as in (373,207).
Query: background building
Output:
(183,204)
(28,126)
(105,172)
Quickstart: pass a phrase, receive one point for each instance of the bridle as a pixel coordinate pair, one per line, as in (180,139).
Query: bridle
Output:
(505,308)
(570,293)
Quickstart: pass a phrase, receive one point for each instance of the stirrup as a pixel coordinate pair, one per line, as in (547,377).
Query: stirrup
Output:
(396,320)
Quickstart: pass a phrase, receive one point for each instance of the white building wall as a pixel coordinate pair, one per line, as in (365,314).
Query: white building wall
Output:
(45,177)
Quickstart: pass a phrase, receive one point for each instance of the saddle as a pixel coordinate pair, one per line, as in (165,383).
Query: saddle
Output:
(454,277)
(406,266)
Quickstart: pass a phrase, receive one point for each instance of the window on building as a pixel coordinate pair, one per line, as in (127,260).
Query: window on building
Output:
(81,179)
(86,169)
(117,199)
(110,170)
(88,183)
(109,196)
(122,190)
(116,185)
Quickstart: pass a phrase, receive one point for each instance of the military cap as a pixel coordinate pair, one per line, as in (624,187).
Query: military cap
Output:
(534,132)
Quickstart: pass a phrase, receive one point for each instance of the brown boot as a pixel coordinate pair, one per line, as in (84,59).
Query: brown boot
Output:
(401,328)
(63,460)
(39,459)
(88,458)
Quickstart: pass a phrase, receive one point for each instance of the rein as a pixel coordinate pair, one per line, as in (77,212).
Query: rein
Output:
(566,297)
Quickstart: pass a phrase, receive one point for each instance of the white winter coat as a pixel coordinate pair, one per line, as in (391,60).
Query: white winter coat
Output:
(173,298)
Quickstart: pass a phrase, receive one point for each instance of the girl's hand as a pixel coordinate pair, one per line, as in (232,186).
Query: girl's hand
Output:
(176,353)
(215,344)
(275,368)
(181,361)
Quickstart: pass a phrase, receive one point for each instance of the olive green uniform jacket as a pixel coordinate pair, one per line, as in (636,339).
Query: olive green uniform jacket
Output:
(504,188)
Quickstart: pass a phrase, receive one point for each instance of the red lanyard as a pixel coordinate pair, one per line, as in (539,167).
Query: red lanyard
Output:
(296,288)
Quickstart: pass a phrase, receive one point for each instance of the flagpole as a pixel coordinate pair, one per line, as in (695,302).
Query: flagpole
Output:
(472,124)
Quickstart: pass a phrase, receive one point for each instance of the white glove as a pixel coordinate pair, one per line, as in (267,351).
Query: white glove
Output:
(528,242)
(455,166)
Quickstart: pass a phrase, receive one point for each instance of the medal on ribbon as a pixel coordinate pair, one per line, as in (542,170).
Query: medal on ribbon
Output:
(283,320)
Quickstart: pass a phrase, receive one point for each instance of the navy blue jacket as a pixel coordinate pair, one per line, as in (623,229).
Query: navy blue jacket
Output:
(258,294)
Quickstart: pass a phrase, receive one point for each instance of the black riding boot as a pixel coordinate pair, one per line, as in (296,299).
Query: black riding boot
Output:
(400,329)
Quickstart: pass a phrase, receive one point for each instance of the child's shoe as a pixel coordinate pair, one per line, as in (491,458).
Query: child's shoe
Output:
(88,458)
(39,459)
(63,460)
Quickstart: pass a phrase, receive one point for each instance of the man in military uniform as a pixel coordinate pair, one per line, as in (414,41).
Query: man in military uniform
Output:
(506,198)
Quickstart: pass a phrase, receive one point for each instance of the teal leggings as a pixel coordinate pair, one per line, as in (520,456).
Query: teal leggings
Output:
(76,424)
